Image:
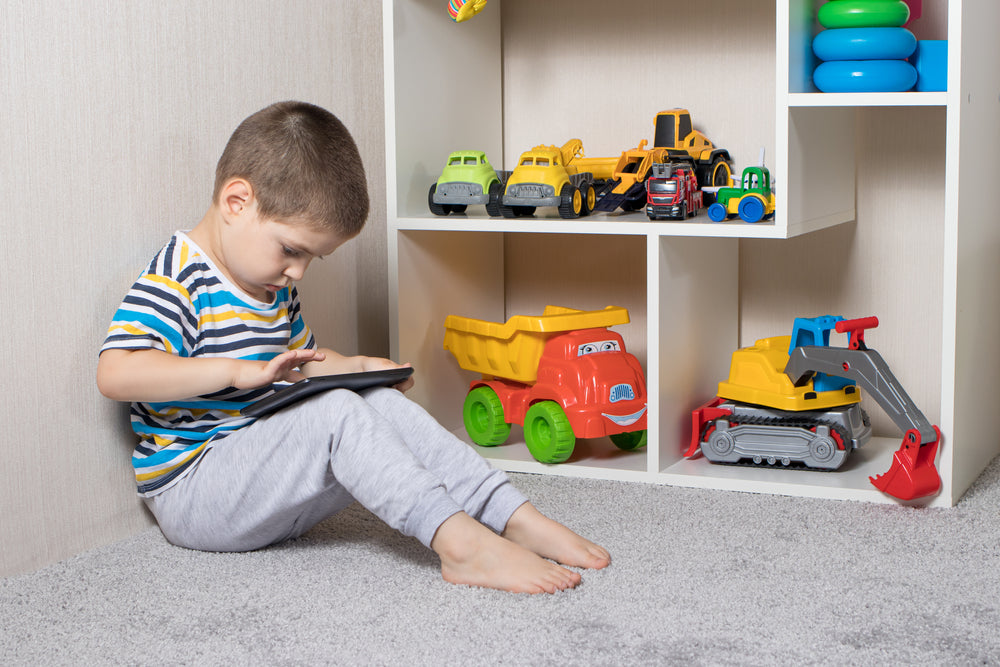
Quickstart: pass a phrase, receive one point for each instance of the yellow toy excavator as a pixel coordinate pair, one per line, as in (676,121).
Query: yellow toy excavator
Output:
(794,401)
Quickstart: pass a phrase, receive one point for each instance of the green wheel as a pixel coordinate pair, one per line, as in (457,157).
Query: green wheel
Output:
(483,417)
(629,441)
(547,433)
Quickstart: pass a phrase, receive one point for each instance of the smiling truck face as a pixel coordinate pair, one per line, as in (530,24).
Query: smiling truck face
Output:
(600,386)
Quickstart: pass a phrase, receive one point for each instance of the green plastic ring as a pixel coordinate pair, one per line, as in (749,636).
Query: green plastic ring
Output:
(864,14)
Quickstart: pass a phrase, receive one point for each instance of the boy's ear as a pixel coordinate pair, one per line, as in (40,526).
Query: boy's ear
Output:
(236,196)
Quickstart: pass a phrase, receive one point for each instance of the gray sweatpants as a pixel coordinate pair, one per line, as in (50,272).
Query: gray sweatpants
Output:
(283,474)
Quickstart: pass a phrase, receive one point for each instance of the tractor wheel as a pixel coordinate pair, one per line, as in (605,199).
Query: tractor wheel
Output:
(509,211)
(717,212)
(493,206)
(570,201)
(547,433)
(436,209)
(629,441)
(484,419)
(751,208)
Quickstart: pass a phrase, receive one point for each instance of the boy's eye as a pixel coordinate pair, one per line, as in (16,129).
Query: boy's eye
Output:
(291,252)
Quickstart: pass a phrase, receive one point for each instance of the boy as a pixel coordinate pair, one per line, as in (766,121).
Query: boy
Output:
(214,321)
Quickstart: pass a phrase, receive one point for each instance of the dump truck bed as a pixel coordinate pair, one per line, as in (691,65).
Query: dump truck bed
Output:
(511,350)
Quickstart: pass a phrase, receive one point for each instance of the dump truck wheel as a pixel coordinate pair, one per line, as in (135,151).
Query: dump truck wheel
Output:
(588,197)
(629,441)
(493,206)
(570,201)
(508,211)
(436,209)
(484,418)
(751,208)
(548,433)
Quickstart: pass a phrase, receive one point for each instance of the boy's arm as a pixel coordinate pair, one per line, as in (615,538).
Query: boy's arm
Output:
(335,363)
(153,375)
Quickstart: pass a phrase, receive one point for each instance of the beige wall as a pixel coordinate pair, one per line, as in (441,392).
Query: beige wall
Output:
(113,116)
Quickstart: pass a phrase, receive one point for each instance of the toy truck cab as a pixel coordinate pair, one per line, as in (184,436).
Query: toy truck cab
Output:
(545,176)
(467,178)
(672,192)
(674,131)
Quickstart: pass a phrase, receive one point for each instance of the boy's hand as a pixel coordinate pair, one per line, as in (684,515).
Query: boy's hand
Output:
(282,368)
(378,364)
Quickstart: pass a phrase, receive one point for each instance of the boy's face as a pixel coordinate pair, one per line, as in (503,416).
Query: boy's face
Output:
(262,256)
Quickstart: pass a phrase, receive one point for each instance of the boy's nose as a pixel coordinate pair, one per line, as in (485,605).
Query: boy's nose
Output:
(296,271)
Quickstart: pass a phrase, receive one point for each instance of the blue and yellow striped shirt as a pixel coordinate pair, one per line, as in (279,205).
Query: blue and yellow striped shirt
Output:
(182,304)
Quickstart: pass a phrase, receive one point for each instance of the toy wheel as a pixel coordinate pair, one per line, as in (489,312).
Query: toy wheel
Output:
(717,173)
(493,206)
(751,209)
(570,201)
(547,433)
(484,419)
(523,211)
(717,212)
(589,198)
(629,441)
(436,209)
(458,208)
(719,445)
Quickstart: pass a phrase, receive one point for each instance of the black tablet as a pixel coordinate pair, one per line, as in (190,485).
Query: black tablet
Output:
(305,388)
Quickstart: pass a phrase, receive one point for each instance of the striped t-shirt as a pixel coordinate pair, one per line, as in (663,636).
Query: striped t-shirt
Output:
(182,304)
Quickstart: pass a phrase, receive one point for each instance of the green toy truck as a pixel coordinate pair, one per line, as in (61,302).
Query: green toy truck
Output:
(467,178)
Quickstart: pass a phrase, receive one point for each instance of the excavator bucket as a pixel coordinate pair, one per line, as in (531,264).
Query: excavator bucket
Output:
(912,474)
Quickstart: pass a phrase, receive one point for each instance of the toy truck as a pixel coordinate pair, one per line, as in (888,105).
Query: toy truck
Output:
(562,375)
(467,178)
(672,193)
(794,401)
(675,134)
(550,176)
(753,200)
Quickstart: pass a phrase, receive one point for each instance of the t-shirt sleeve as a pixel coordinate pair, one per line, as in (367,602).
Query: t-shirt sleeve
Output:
(300,336)
(156,314)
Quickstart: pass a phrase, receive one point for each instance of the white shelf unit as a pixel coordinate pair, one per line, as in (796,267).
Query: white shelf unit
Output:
(523,72)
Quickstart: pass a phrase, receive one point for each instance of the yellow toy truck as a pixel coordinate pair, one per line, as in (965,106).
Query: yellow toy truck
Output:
(561,375)
(550,176)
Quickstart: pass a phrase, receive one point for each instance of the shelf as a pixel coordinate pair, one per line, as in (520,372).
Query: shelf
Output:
(867,99)
(870,206)
(630,224)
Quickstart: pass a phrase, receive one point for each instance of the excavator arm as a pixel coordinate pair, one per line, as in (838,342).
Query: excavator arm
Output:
(912,474)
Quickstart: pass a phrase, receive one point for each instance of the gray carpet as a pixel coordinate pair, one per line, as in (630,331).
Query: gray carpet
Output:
(698,578)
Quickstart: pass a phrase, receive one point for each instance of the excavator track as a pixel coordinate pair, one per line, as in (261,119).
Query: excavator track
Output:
(756,436)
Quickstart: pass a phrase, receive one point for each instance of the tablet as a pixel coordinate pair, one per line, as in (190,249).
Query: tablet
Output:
(294,393)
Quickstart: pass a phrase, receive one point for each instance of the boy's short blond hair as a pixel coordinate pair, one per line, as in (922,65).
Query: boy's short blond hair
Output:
(303,165)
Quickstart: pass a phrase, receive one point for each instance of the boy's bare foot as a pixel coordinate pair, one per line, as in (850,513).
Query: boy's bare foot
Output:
(473,554)
(550,539)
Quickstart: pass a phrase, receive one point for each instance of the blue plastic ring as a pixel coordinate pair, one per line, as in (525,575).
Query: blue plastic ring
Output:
(864,44)
(865,76)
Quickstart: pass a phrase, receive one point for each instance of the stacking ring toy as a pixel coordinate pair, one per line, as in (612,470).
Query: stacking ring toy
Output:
(864,44)
(864,76)
(864,14)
